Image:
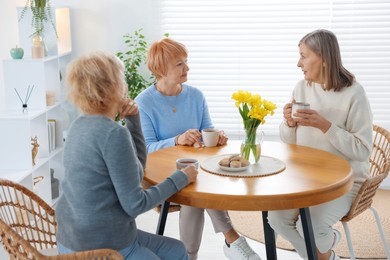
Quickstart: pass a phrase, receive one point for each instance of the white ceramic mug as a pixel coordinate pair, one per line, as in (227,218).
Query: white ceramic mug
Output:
(210,137)
(184,162)
(298,105)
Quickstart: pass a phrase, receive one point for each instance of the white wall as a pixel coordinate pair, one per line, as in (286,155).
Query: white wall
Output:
(8,31)
(96,25)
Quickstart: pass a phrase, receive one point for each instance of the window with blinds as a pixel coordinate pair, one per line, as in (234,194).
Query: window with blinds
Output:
(252,45)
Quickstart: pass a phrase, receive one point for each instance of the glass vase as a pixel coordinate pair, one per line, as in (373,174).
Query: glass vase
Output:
(39,48)
(251,145)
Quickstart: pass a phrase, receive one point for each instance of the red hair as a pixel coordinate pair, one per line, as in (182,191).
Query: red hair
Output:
(162,53)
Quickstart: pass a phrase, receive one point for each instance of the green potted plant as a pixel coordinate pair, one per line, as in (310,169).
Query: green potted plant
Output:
(41,15)
(134,58)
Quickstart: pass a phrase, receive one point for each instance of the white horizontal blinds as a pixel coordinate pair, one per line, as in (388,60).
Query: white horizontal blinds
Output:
(363,29)
(252,45)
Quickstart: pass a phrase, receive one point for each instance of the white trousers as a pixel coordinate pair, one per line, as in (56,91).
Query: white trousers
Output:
(287,223)
(191,223)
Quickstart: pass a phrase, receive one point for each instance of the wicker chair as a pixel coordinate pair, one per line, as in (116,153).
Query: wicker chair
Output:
(28,226)
(379,169)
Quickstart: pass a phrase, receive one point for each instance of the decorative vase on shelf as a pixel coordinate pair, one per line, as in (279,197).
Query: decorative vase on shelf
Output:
(251,145)
(42,18)
(37,49)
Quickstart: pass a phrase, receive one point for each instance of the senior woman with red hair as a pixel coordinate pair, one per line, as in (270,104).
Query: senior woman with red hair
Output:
(173,113)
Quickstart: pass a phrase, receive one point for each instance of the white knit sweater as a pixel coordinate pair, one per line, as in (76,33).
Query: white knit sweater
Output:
(350,135)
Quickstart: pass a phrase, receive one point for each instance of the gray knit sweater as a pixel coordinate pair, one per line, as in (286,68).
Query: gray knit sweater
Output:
(102,194)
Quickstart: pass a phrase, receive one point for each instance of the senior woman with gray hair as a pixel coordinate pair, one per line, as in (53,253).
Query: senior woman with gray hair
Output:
(339,121)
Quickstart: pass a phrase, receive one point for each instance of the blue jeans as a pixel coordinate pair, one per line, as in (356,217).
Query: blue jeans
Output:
(149,247)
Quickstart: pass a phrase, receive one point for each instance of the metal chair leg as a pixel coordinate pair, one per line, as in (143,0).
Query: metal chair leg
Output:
(162,218)
(269,237)
(381,232)
(311,247)
(349,240)
(379,224)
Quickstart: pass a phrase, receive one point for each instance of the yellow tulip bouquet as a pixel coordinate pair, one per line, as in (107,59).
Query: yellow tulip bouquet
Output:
(253,109)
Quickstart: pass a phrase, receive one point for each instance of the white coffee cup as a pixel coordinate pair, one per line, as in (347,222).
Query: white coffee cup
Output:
(184,162)
(210,137)
(298,105)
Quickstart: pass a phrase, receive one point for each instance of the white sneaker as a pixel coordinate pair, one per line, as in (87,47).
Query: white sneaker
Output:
(333,256)
(240,250)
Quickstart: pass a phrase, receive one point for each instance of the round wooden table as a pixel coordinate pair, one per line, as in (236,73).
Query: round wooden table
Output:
(311,177)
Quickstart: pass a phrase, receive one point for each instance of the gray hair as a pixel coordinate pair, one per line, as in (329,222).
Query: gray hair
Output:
(324,43)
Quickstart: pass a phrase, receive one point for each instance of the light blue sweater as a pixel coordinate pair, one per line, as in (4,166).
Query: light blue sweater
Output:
(161,125)
(102,192)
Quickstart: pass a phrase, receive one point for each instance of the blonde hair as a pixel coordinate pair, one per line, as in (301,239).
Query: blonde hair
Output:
(324,43)
(96,82)
(162,53)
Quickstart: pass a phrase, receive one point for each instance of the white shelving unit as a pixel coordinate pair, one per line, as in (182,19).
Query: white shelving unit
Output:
(17,127)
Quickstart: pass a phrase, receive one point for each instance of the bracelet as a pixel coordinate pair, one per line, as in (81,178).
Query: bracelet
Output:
(177,140)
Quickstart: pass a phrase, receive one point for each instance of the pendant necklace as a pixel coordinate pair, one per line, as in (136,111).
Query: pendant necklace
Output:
(173,106)
(169,103)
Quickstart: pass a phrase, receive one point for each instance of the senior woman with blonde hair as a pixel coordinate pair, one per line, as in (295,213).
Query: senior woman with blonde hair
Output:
(173,113)
(104,164)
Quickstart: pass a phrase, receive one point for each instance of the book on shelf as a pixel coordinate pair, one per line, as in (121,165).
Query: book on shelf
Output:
(52,134)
